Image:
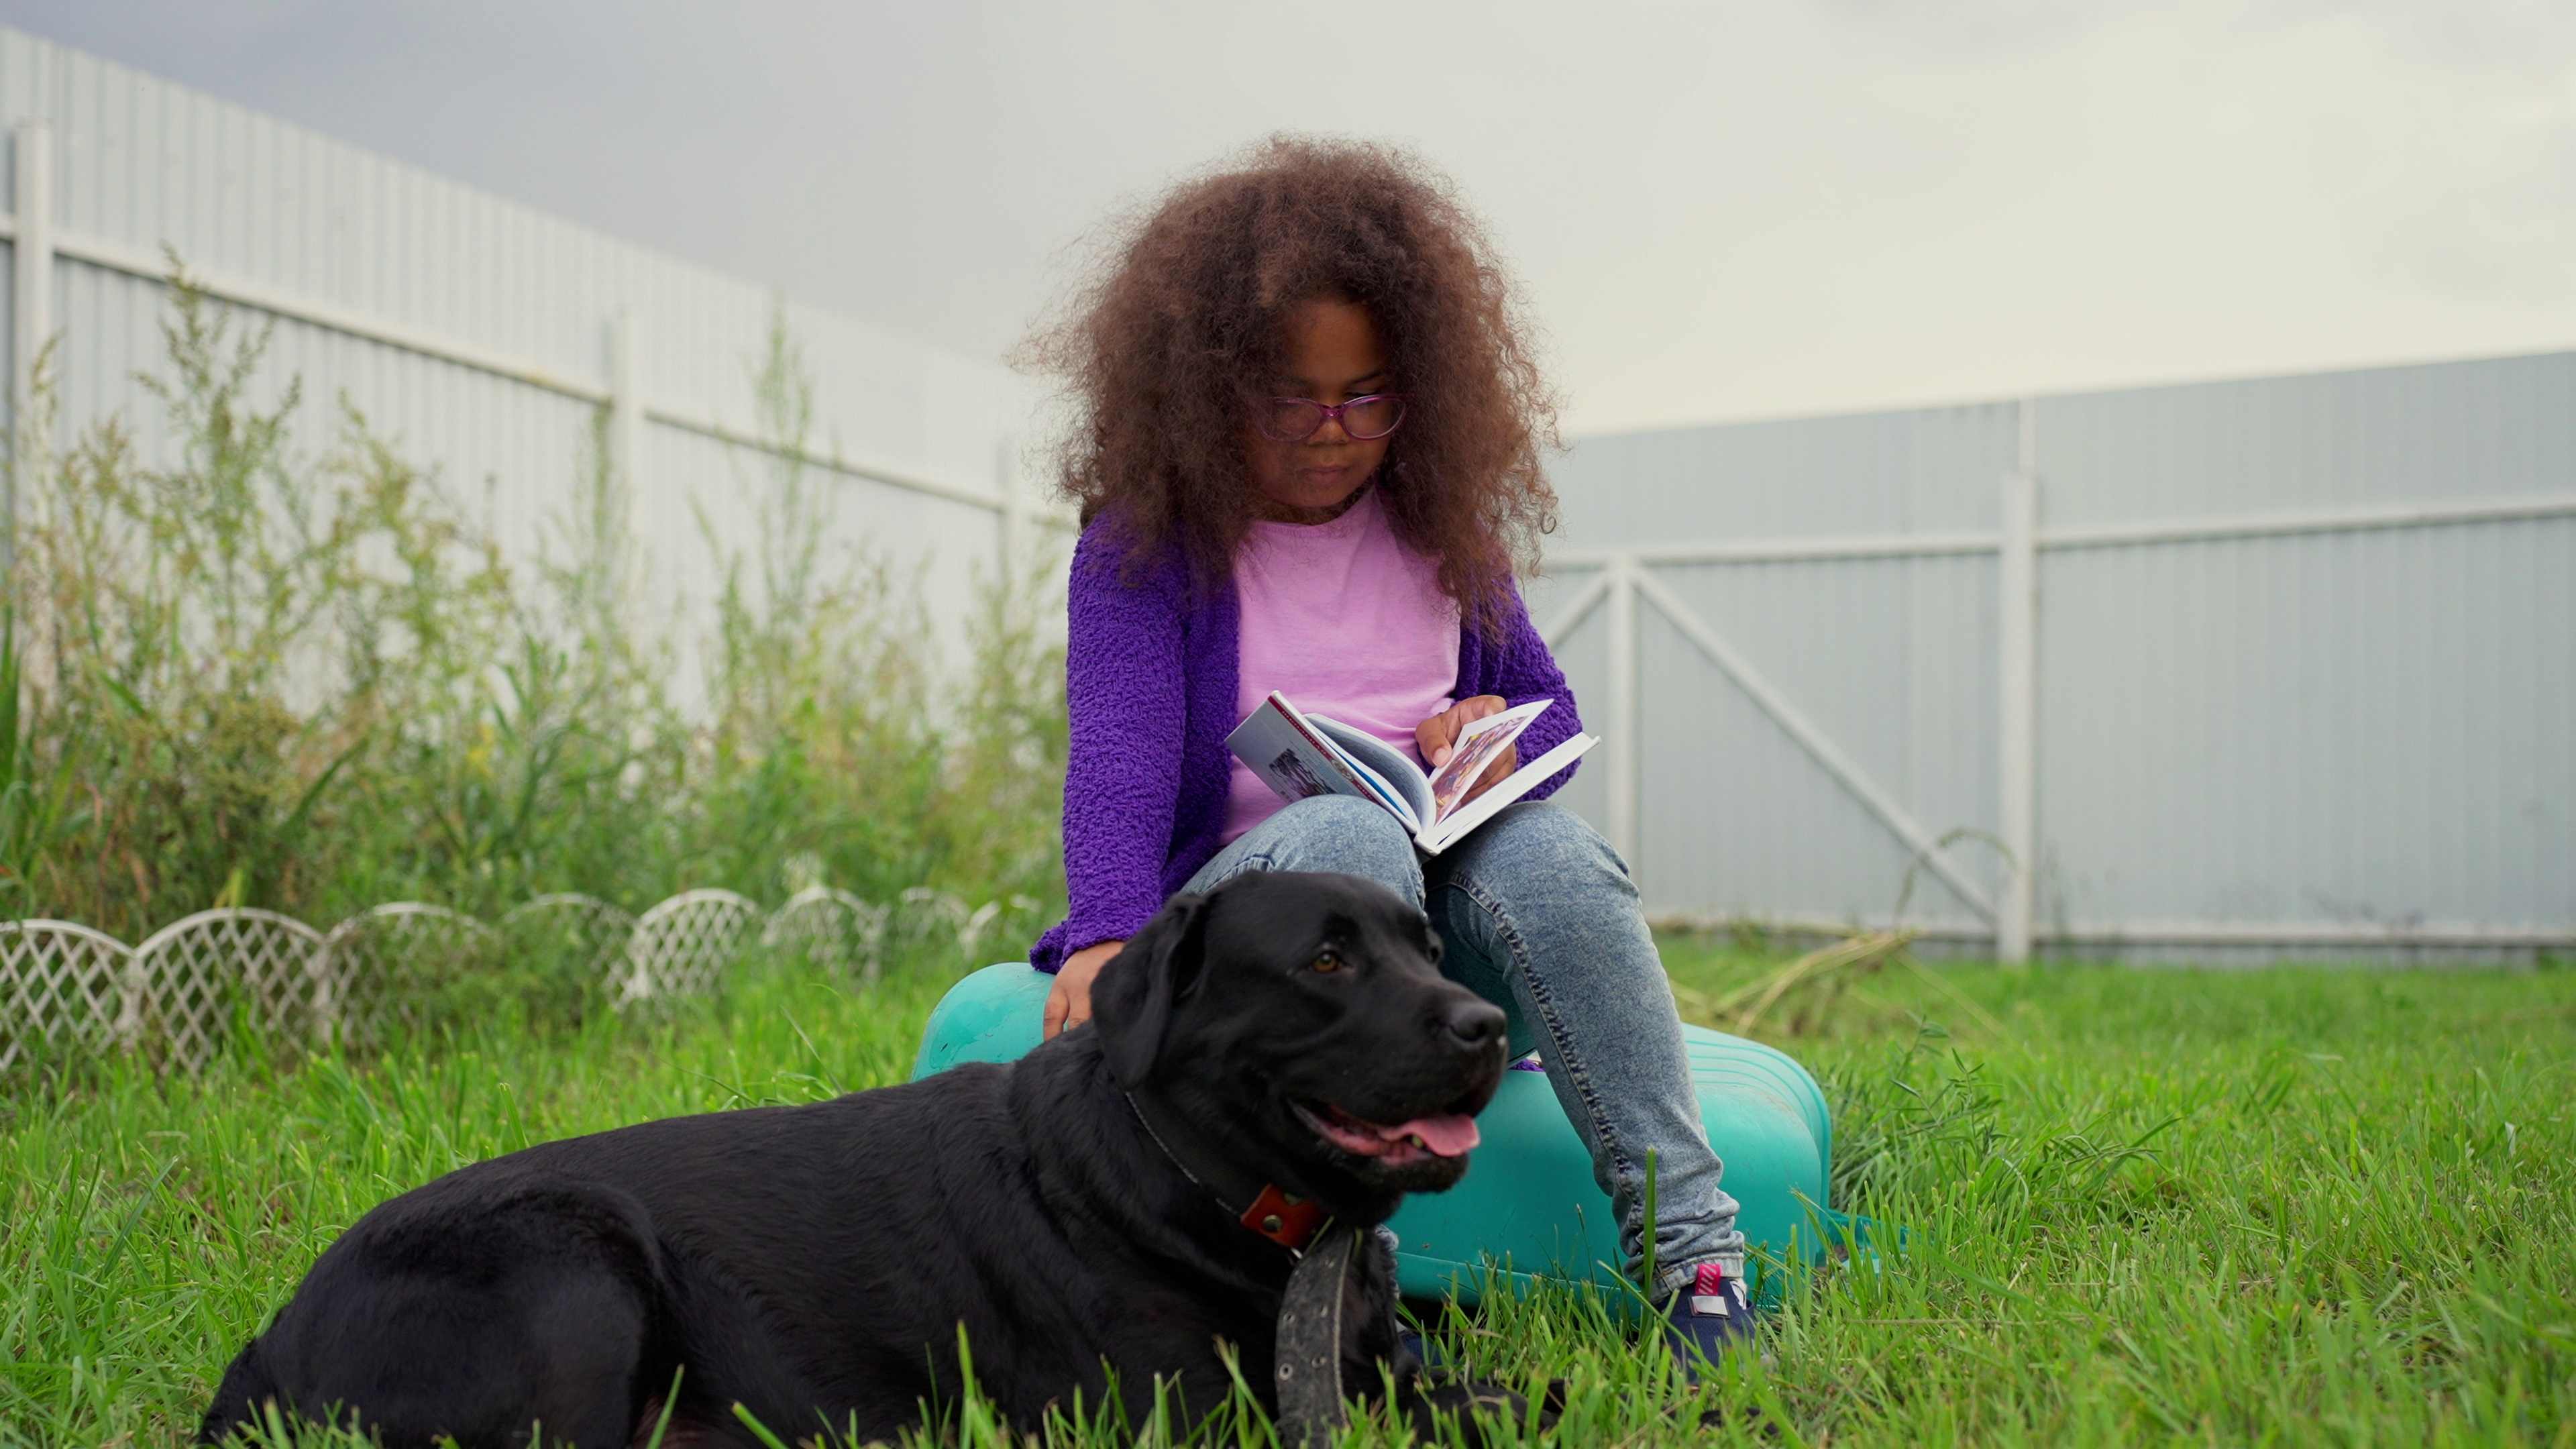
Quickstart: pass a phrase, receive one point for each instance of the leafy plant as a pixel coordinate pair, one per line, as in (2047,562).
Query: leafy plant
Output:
(248,675)
(35,803)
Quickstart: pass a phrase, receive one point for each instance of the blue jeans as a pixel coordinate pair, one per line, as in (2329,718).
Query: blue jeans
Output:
(1536,914)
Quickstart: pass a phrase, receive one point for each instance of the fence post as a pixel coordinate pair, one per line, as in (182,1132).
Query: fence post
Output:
(31,277)
(2017,715)
(625,403)
(1626,770)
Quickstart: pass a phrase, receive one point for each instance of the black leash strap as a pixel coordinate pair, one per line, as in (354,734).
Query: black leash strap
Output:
(1308,1352)
(1311,1410)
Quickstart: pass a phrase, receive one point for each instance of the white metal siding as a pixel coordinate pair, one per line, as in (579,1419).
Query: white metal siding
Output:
(499,318)
(2305,667)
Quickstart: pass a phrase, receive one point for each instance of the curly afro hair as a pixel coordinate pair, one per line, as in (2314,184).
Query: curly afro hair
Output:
(1183,327)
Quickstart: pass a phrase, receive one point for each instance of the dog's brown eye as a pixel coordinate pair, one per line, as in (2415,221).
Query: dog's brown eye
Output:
(1326,961)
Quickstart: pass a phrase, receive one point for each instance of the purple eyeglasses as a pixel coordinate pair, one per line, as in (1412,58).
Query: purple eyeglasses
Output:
(1365,419)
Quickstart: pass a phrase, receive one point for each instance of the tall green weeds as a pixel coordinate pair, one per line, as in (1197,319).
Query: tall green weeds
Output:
(253,675)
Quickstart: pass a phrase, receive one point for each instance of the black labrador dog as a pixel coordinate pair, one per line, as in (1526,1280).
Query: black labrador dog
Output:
(1275,1056)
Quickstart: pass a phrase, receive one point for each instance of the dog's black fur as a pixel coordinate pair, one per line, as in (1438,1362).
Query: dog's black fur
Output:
(815,1263)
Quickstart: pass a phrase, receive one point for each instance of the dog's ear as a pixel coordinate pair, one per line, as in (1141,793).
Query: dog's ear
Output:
(1132,998)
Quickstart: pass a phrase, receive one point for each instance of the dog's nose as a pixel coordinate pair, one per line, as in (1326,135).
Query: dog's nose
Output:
(1473,1024)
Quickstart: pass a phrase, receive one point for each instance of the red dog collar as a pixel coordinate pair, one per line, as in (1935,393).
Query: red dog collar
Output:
(1275,1213)
(1283,1218)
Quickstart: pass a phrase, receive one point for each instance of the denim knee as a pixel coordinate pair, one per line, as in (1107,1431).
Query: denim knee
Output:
(1541,841)
(1337,833)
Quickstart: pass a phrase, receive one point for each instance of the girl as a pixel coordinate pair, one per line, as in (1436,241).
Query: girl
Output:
(1307,454)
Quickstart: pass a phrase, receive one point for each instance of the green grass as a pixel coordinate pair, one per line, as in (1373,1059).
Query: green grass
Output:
(2297,1206)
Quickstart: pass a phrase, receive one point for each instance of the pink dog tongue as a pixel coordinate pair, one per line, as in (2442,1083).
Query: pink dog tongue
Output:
(1446,1135)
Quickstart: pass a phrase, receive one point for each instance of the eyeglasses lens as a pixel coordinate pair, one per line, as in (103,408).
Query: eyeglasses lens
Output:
(1372,418)
(1292,419)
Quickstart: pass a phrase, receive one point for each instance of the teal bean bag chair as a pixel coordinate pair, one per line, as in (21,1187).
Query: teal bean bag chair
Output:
(1528,1206)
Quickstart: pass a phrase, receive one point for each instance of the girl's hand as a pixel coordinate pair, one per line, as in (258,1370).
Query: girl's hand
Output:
(1069,1004)
(1437,738)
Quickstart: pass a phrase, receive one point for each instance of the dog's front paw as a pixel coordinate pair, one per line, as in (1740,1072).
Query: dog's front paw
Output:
(1434,1398)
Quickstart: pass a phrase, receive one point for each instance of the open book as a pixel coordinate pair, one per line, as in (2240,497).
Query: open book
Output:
(1306,754)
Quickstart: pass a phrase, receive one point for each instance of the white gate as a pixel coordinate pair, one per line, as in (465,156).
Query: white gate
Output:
(2039,629)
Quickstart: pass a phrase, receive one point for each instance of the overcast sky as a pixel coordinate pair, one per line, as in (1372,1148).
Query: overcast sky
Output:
(1719,210)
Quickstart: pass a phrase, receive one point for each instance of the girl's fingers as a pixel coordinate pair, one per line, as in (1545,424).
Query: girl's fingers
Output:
(1433,735)
(1069,1000)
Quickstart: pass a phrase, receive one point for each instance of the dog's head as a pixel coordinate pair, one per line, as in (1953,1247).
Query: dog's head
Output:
(1302,1020)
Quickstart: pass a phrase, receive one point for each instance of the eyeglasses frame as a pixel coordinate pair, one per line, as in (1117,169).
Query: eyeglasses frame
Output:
(1332,413)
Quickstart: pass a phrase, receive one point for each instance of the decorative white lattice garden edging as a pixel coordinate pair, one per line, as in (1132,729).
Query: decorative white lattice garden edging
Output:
(590,929)
(379,967)
(681,947)
(192,969)
(68,989)
(837,929)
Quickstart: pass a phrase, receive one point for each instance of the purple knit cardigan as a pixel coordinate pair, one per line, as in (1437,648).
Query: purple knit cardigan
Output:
(1150,676)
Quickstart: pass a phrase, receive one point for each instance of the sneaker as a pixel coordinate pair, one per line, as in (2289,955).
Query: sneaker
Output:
(1705,1319)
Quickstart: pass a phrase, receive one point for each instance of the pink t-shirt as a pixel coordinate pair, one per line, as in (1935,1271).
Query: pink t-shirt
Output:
(1346,621)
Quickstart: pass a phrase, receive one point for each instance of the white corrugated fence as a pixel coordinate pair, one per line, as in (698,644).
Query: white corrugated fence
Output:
(2279,667)
(2283,665)
(486,338)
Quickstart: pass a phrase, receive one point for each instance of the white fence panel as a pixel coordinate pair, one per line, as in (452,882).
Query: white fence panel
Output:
(489,339)
(2281,666)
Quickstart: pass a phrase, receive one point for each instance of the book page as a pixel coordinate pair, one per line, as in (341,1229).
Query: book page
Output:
(1473,813)
(1294,755)
(1292,763)
(1385,765)
(1478,746)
